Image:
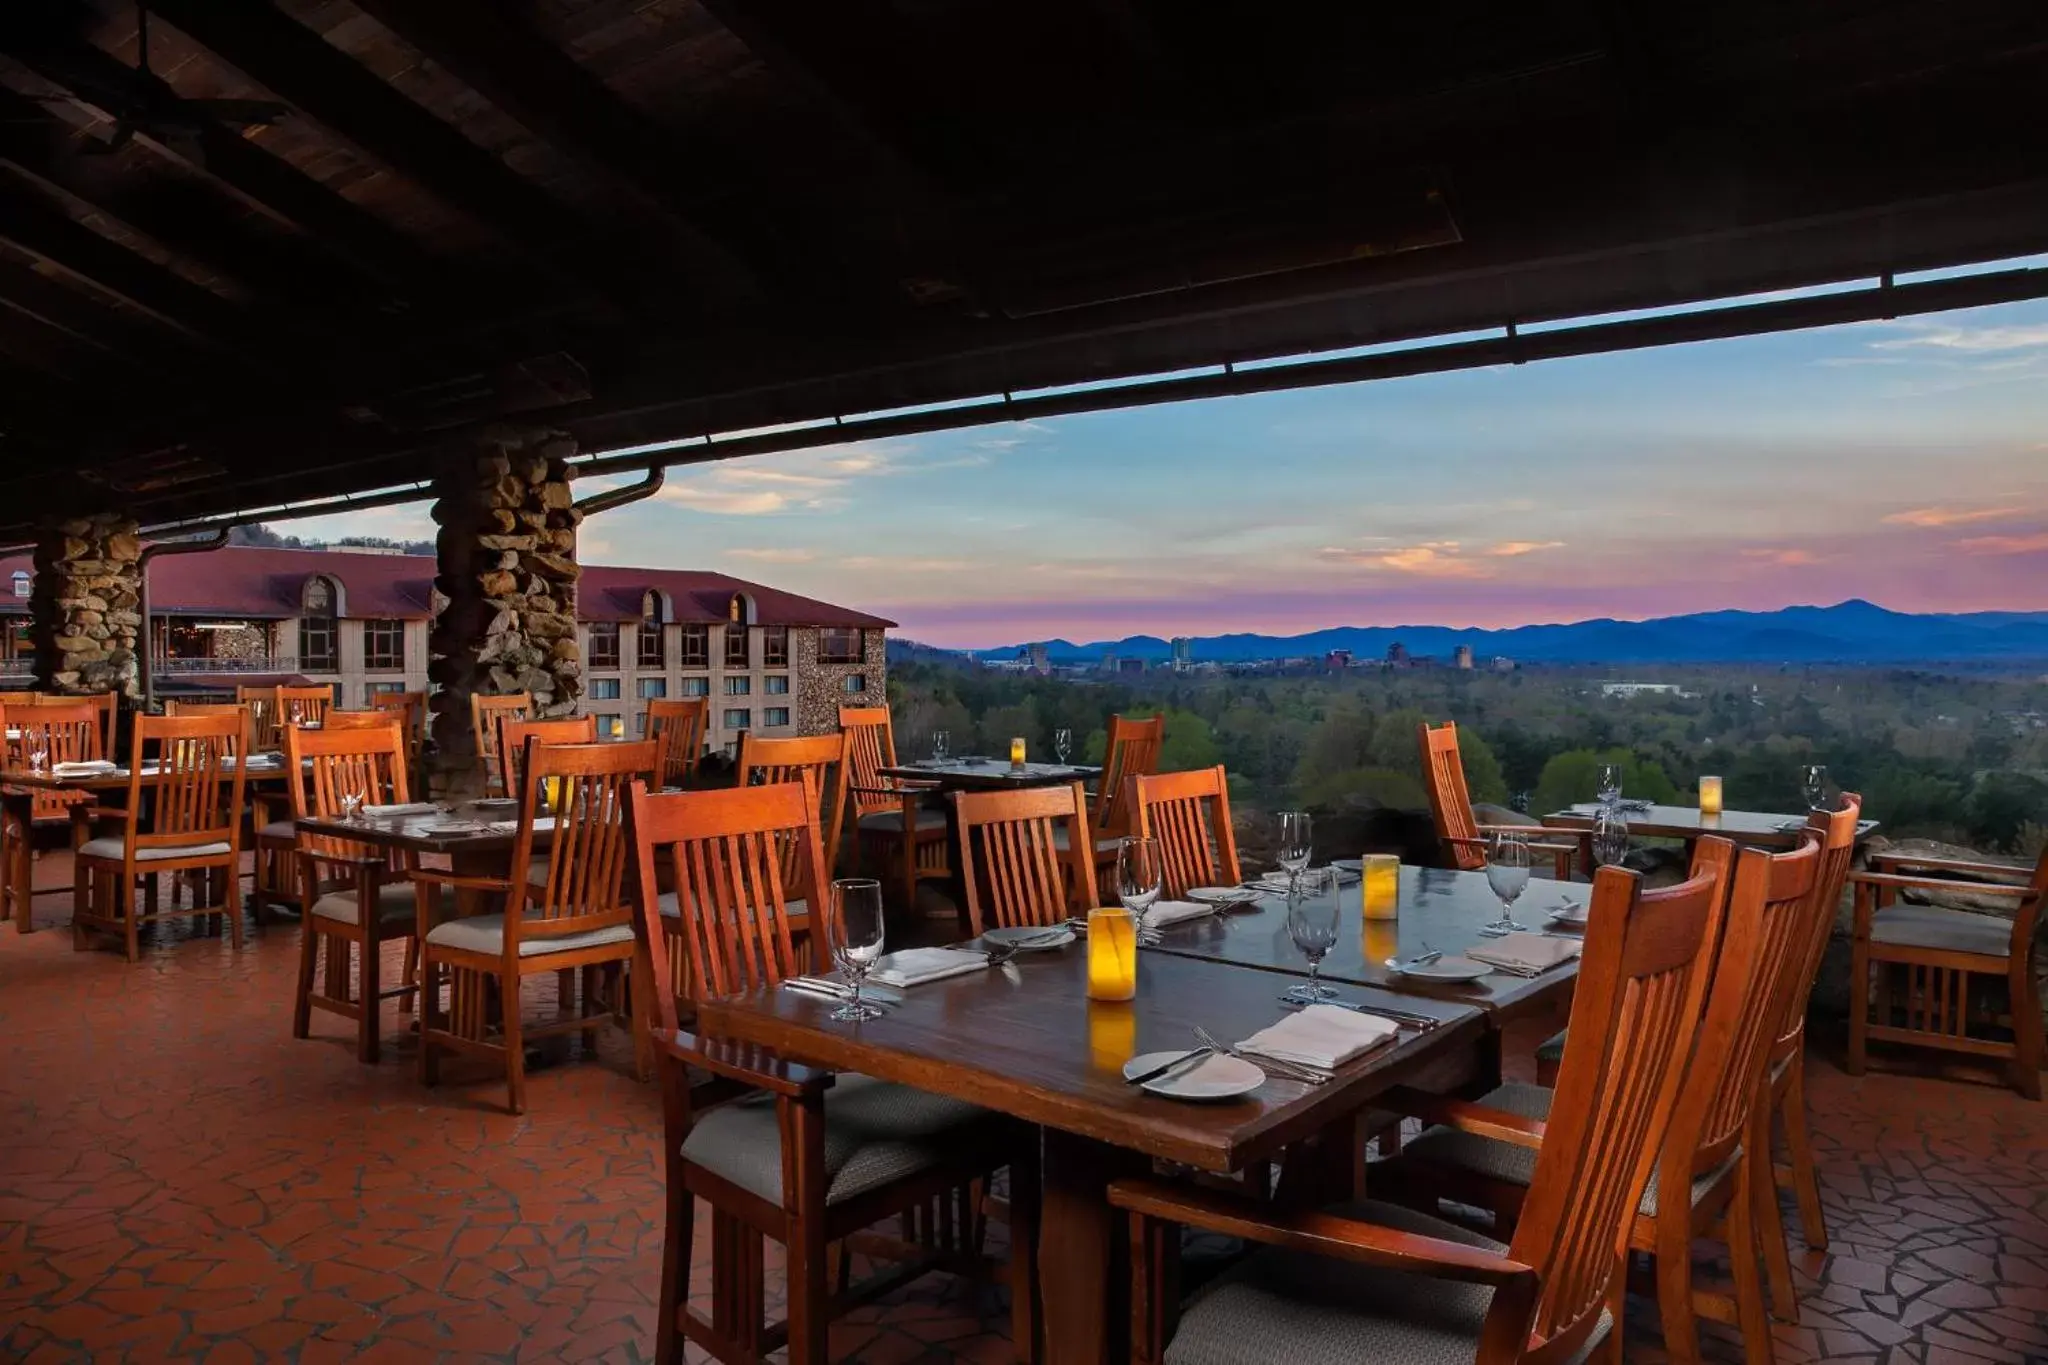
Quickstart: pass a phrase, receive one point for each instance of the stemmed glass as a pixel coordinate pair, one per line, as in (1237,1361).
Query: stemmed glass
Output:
(1610,837)
(1507,872)
(1312,911)
(37,759)
(1062,743)
(1297,844)
(1608,784)
(1813,782)
(941,742)
(352,807)
(1139,875)
(855,936)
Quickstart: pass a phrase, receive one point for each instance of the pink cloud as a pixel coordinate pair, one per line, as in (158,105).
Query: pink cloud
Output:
(1790,559)
(1926,517)
(2034,544)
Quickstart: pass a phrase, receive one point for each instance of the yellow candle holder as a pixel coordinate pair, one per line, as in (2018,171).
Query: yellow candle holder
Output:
(1017,753)
(1381,885)
(1112,954)
(1112,1035)
(1382,940)
(1710,796)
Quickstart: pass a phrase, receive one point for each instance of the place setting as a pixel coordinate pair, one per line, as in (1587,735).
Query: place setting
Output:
(1306,1047)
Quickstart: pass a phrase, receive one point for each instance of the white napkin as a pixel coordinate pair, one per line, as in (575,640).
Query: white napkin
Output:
(403,808)
(512,826)
(915,966)
(84,767)
(1163,913)
(1526,954)
(1321,1036)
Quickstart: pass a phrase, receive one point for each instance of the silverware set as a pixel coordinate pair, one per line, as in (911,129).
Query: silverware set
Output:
(1421,959)
(1421,1023)
(1272,1066)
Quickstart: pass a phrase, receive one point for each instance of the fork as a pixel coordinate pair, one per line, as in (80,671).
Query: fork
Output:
(1293,1071)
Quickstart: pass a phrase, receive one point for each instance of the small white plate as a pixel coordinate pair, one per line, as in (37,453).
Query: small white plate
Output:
(1220,895)
(1574,915)
(1029,938)
(1348,864)
(1450,969)
(1216,1077)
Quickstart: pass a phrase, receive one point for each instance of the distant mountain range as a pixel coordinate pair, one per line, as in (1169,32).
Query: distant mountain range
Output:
(1848,632)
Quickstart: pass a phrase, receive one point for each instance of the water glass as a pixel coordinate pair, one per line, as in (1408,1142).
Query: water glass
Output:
(1507,872)
(941,742)
(38,759)
(1610,837)
(1608,784)
(351,807)
(1813,784)
(855,937)
(1312,924)
(1297,843)
(1063,743)
(1140,874)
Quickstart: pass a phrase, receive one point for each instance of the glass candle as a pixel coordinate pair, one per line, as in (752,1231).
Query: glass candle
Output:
(1382,885)
(1017,752)
(1112,1035)
(1382,940)
(1112,954)
(1710,796)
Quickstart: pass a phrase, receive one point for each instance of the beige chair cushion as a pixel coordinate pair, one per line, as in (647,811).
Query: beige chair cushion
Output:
(666,903)
(1551,1049)
(1060,840)
(875,1132)
(397,904)
(1293,1308)
(891,821)
(1516,1165)
(1952,931)
(486,934)
(113,845)
(280,831)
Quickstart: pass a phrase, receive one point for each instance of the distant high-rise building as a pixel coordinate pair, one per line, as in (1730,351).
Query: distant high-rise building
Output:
(1041,660)
(1183,653)
(1110,663)
(1461,657)
(1130,665)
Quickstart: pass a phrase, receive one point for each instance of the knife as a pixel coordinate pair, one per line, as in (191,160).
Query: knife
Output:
(1158,1071)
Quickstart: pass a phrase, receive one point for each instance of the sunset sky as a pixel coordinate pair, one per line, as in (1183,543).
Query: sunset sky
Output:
(1903,462)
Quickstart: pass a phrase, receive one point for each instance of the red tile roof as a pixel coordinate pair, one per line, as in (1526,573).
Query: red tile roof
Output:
(245,581)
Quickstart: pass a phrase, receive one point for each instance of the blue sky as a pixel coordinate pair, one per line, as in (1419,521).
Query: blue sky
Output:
(1905,462)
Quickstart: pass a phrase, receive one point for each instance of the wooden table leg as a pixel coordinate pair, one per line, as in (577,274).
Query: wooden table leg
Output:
(1083,1268)
(16,862)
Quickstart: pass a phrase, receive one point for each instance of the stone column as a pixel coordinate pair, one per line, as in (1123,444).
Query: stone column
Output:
(85,609)
(506,589)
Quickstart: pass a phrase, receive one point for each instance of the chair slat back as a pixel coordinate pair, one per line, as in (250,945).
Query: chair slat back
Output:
(1188,814)
(197,791)
(66,733)
(263,713)
(870,747)
(1635,1014)
(486,712)
(411,708)
(513,734)
(1132,751)
(723,852)
(1010,859)
(338,719)
(304,705)
(820,759)
(106,708)
(1450,800)
(1835,831)
(585,865)
(365,761)
(678,725)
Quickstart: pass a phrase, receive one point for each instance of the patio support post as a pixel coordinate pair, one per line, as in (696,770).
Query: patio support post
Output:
(85,608)
(506,589)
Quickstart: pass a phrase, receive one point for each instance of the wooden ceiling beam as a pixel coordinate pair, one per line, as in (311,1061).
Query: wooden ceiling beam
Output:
(78,313)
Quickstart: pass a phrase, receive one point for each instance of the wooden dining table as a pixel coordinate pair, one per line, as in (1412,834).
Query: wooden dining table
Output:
(1756,829)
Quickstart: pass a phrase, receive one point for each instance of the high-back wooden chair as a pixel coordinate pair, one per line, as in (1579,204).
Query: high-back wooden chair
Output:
(307,705)
(411,708)
(725,1105)
(262,703)
(106,708)
(1396,1276)
(566,910)
(819,758)
(513,735)
(1132,751)
(1026,856)
(1188,814)
(360,897)
(338,719)
(1464,839)
(486,713)
(678,725)
(890,821)
(64,730)
(195,825)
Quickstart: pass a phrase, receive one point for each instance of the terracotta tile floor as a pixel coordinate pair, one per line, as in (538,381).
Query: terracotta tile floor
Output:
(180,1180)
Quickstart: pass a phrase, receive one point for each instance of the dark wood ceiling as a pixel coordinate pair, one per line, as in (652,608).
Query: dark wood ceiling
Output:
(653,219)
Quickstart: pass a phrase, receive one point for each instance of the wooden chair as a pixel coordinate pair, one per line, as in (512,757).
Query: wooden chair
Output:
(338,719)
(1464,839)
(307,705)
(513,734)
(263,714)
(567,911)
(196,825)
(366,897)
(678,724)
(1017,868)
(890,821)
(106,708)
(1189,815)
(820,758)
(778,1149)
(1926,955)
(485,715)
(65,730)
(412,714)
(1132,751)
(1376,1281)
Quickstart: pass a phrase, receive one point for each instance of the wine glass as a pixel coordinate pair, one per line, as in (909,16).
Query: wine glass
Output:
(856,940)
(1608,784)
(1813,782)
(1507,872)
(38,759)
(1610,837)
(941,742)
(1062,743)
(1297,844)
(351,807)
(1139,874)
(1312,912)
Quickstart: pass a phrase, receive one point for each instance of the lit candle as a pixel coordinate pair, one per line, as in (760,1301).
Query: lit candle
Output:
(1710,796)
(1382,940)
(1112,954)
(1017,752)
(1112,1035)
(1382,885)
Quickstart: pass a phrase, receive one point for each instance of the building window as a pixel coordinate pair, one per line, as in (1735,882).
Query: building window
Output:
(775,717)
(837,645)
(736,652)
(739,720)
(775,646)
(604,689)
(21,583)
(640,726)
(384,646)
(652,650)
(696,647)
(604,644)
(854,683)
(610,726)
(696,687)
(776,685)
(382,689)
(651,687)
(738,687)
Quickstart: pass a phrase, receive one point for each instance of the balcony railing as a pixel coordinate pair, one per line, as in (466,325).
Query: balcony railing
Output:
(274,663)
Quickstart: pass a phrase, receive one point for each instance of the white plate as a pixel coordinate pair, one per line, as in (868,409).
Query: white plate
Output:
(1348,864)
(1219,895)
(1216,1077)
(1450,969)
(1574,915)
(1024,936)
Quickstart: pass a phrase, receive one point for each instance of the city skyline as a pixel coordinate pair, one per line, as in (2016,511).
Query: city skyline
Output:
(1904,462)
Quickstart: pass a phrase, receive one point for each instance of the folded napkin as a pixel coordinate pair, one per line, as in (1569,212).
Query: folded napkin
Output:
(1321,1036)
(1163,913)
(915,966)
(512,826)
(84,767)
(403,808)
(1526,954)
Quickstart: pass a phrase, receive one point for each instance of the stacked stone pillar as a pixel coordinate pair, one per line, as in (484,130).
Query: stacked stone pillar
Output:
(506,589)
(85,609)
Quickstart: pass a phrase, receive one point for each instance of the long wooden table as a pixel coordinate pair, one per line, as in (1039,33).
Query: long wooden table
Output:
(1761,829)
